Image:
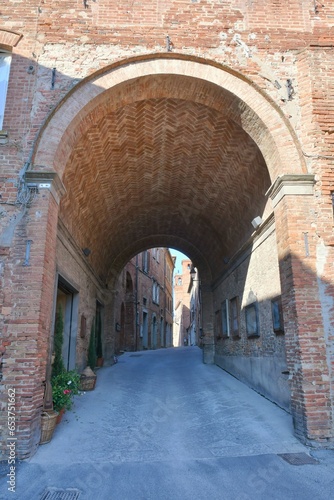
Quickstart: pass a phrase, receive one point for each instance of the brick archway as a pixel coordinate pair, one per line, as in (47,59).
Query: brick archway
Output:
(160,123)
(207,83)
(117,104)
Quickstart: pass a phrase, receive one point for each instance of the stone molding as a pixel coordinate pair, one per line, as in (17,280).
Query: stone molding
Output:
(47,180)
(291,185)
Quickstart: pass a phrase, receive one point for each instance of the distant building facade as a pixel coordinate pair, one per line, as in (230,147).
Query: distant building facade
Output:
(182,305)
(195,330)
(144,302)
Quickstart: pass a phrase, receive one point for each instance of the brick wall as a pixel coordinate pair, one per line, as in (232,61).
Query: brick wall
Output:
(265,82)
(74,267)
(129,335)
(182,304)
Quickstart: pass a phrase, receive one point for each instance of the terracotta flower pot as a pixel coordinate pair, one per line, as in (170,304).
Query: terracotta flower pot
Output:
(60,415)
(99,362)
(87,380)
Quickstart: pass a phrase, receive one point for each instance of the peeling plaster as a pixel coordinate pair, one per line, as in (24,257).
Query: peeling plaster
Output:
(244,52)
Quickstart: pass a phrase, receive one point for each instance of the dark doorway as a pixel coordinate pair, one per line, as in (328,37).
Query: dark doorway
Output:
(67,304)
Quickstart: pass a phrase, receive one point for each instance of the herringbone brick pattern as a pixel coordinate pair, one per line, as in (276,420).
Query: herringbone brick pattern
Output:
(163,167)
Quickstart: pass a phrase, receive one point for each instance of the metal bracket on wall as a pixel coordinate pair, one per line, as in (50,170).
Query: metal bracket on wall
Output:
(290,89)
(317,6)
(27,253)
(53,78)
(26,192)
(168,44)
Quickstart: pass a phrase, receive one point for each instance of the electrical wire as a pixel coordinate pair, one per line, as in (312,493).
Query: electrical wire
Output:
(318,157)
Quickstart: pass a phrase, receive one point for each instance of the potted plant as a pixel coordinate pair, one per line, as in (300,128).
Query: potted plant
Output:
(99,353)
(50,412)
(64,386)
(88,377)
(61,401)
(58,364)
(48,424)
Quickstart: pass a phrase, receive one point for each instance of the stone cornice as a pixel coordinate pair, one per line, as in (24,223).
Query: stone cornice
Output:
(291,185)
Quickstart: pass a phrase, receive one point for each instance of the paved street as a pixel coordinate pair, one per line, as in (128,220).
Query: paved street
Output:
(161,425)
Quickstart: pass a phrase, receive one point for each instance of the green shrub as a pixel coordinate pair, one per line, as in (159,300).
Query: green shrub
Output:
(91,347)
(99,352)
(58,364)
(64,387)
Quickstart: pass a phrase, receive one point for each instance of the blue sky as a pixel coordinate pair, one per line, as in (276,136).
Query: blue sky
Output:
(179,257)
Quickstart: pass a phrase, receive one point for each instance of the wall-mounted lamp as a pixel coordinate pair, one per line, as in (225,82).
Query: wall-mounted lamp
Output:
(192,273)
(86,251)
(257,222)
(198,305)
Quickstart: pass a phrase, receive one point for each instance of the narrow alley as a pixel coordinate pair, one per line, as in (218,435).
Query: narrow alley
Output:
(162,425)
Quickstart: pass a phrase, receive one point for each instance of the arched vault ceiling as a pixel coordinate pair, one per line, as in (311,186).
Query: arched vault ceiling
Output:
(163,170)
(166,87)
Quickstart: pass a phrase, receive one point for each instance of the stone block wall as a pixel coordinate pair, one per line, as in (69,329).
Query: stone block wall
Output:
(259,360)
